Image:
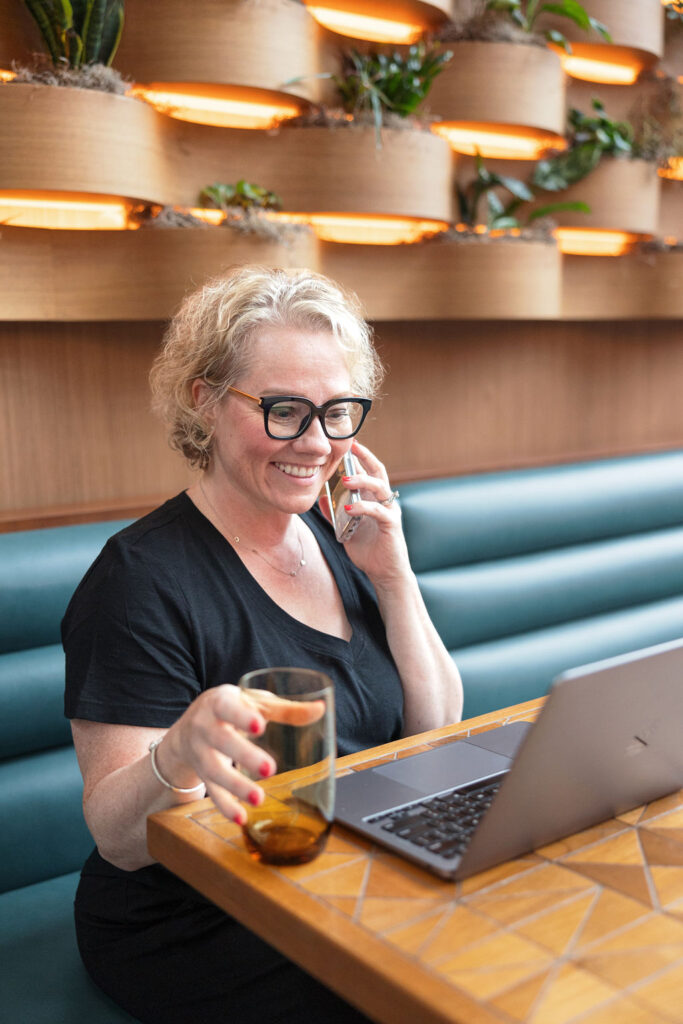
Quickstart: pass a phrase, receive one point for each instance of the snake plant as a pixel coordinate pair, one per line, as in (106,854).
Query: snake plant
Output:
(78,32)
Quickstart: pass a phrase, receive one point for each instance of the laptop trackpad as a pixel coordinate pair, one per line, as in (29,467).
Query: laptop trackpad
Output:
(454,764)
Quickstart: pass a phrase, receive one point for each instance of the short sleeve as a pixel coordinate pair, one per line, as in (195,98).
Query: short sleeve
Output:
(128,642)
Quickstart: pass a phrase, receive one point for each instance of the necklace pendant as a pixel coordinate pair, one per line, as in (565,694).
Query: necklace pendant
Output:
(302,562)
(293,572)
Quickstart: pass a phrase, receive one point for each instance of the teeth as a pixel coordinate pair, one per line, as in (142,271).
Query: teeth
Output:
(304,471)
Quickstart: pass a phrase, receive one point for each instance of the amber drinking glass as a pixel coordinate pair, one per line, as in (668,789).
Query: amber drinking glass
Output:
(292,824)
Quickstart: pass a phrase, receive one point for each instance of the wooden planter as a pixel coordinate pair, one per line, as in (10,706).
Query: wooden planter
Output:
(511,86)
(319,169)
(672,61)
(80,140)
(414,14)
(485,280)
(623,196)
(636,28)
(125,275)
(671,210)
(260,44)
(639,286)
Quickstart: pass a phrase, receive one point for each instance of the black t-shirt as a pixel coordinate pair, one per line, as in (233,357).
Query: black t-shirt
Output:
(168,610)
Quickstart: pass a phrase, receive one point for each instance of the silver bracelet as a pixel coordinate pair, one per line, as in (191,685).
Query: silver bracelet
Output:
(164,782)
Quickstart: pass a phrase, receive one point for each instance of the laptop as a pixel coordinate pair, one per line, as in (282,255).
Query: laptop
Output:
(609,738)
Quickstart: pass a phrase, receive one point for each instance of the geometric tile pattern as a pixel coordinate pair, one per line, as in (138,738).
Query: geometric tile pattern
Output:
(588,930)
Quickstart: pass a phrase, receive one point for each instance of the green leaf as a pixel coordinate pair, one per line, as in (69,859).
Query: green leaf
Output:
(40,15)
(569,9)
(503,223)
(546,211)
(553,36)
(518,188)
(601,29)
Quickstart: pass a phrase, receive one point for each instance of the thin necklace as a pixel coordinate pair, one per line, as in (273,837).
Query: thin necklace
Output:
(236,540)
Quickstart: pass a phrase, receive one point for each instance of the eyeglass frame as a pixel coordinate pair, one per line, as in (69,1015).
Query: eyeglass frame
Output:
(268,401)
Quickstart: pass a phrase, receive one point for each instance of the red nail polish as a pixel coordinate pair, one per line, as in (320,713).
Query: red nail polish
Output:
(253,798)
(345,479)
(348,507)
(254,727)
(240,817)
(264,771)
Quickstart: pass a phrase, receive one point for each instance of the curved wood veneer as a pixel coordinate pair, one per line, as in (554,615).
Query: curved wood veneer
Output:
(423,16)
(261,44)
(623,196)
(638,286)
(671,211)
(441,280)
(145,274)
(342,170)
(503,84)
(636,28)
(672,61)
(81,140)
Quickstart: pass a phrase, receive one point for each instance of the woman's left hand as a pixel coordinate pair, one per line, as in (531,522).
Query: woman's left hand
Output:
(377,546)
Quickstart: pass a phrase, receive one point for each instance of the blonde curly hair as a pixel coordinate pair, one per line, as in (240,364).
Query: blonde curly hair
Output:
(209,339)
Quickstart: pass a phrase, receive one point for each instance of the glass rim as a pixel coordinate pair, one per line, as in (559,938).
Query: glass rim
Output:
(327,687)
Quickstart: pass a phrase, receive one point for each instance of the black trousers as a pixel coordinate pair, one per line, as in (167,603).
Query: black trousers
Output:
(168,956)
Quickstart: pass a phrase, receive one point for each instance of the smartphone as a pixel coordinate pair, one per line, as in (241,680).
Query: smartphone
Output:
(339,495)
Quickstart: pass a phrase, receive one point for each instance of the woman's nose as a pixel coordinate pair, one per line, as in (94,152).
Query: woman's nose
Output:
(314,438)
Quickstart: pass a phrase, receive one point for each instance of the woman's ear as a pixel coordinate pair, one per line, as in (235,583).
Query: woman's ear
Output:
(201,393)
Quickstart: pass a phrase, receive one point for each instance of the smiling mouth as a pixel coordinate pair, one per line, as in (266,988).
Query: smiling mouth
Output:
(303,472)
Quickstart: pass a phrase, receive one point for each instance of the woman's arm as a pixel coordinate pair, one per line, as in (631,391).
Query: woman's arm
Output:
(431,682)
(121,789)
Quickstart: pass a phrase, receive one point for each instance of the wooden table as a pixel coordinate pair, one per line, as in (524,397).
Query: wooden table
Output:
(589,929)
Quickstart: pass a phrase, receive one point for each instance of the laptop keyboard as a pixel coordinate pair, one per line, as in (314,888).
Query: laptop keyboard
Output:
(442,824)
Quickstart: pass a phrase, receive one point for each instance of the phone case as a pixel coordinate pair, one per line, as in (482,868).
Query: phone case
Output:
(339,495)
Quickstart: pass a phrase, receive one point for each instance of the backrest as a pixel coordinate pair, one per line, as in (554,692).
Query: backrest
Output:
(500,554)
(43,830)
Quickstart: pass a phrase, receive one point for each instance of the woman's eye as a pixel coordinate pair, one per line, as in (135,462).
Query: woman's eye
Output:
(283,412)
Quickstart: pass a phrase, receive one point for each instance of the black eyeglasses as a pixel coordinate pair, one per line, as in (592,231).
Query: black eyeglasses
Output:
(288,416)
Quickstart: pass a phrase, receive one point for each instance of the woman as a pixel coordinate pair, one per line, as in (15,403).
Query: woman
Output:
(239,572)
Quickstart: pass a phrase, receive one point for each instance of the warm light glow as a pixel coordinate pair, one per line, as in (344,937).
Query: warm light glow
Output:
(365,229)
(7,76)
(674,169)
(588,69)
(362,26)
(220,106)
(64,210)
(596,242)
(207,214)
(505,142)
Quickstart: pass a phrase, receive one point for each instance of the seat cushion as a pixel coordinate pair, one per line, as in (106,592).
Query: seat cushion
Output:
(519,668)
(43,979)
(43,831)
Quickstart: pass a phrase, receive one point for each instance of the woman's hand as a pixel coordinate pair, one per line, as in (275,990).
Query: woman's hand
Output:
(377,546)
(210,741)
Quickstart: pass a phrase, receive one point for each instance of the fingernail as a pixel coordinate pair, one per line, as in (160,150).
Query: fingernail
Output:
(240,817)
(254,727)
(348,507)
(253,798)
(264,771)
(346,479)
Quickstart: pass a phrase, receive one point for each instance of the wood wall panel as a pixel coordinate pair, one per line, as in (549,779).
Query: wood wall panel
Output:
(79,440)
(75,419)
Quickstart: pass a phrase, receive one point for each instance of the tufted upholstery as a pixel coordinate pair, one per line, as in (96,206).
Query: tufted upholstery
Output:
(44,840)
(530,572)
(525,573)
